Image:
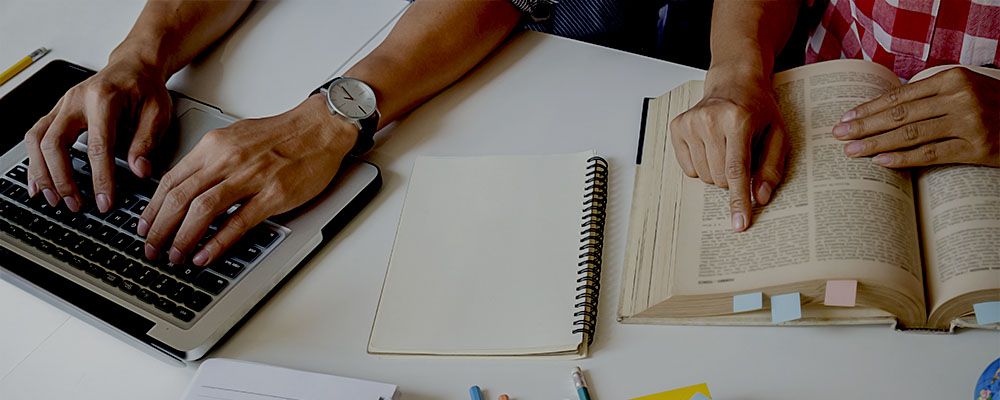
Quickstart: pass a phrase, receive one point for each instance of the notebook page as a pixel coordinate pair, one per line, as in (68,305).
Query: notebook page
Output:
(220,378)
(485,257)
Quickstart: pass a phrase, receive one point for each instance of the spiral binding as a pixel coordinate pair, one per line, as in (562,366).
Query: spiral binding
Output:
(592,244)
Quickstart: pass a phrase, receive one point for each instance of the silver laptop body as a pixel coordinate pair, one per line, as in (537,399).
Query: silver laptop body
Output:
(289,240)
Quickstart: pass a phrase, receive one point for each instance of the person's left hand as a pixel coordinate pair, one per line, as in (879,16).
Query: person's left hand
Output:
(269,165)
(950,117)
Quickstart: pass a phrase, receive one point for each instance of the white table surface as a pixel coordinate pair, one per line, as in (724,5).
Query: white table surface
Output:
(538,95)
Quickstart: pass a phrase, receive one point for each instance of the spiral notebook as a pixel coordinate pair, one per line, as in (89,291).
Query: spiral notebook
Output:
(495,256)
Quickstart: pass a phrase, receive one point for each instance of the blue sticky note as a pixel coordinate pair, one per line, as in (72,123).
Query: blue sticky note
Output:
(699,396)
(987,313)
(748,302)
(785,307)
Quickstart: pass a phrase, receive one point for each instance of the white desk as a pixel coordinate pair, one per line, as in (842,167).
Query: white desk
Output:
(538,95)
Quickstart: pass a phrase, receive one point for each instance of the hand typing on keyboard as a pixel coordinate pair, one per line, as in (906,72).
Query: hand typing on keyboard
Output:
(270,165)
(124,90)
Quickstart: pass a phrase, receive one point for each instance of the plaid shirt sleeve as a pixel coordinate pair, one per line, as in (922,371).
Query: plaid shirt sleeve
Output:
(908,36)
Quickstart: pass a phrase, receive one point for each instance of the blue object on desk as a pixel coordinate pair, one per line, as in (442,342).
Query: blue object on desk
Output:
(988,385)
(475,393)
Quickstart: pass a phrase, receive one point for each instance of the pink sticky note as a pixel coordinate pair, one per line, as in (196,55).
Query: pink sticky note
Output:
(841,293)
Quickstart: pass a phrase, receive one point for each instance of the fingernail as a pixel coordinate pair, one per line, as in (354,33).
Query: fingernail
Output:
(103,203)
(51,197)
(151,252)
(882,159)
(142,228)
(71,203)
(176,256)
(142,167)
(853,148)
(201,258)
(764,193)
(32,187)
(850,115)
(840,131)
(739,222)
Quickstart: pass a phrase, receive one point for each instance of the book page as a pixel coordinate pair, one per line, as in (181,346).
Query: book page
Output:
(960,223)
(832,217)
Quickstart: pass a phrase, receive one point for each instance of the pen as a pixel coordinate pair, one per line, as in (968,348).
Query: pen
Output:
(21,65)
(475,393)
(581,385)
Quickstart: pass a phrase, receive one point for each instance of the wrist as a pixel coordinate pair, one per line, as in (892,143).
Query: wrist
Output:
(141,57)
(337,134)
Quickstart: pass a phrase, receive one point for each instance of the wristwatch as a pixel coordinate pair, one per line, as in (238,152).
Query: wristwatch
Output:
(353,101)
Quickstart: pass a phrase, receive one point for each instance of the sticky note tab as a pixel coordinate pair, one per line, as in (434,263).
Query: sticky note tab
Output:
(841,293)
(785,307)
(748,302)
(987,313)
(687,393)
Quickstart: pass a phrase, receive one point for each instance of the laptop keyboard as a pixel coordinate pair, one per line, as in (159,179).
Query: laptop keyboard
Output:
(104,248)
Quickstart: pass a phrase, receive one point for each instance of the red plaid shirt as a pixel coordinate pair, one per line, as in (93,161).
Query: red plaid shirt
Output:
(908,36)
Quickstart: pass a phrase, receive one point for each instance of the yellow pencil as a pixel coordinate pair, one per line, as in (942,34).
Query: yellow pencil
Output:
(21,65)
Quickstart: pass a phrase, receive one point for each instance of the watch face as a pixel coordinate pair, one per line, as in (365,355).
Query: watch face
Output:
(352,98)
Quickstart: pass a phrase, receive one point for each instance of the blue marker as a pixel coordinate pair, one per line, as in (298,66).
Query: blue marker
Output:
(475,393)
(581,385)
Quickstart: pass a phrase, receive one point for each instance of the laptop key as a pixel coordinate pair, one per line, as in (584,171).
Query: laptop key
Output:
(96,253)
(198,300)
(187,272)
(183,314)
(118,218)
(137,250)
(146,276)
(229,267)
(65,237)
(262,236)
(112,279)
(131,269)
(245,251)
(19,173)
(180,293)
(16,193)
(105,234)
(89,226)
(115,261)
(95,270)
(128,287)
(4,184)
(212,283)
(139,206)
(132,225)
(146,296)
(163,285)
(122,241)
(165,305)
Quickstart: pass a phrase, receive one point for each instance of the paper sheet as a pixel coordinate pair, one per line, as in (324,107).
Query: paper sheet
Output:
(220,378)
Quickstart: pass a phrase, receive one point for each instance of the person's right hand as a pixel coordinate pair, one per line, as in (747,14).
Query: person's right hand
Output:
(714,140)
(125,93)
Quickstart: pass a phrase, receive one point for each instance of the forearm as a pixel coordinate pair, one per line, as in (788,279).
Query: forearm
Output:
(169,34)
(434,44)
(748,35)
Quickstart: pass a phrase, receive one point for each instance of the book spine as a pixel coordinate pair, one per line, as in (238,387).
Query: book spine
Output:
(592,244)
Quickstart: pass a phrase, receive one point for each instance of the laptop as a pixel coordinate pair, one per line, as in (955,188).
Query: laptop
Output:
(91,264)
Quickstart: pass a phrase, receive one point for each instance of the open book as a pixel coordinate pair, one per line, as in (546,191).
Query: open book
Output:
(923,244)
